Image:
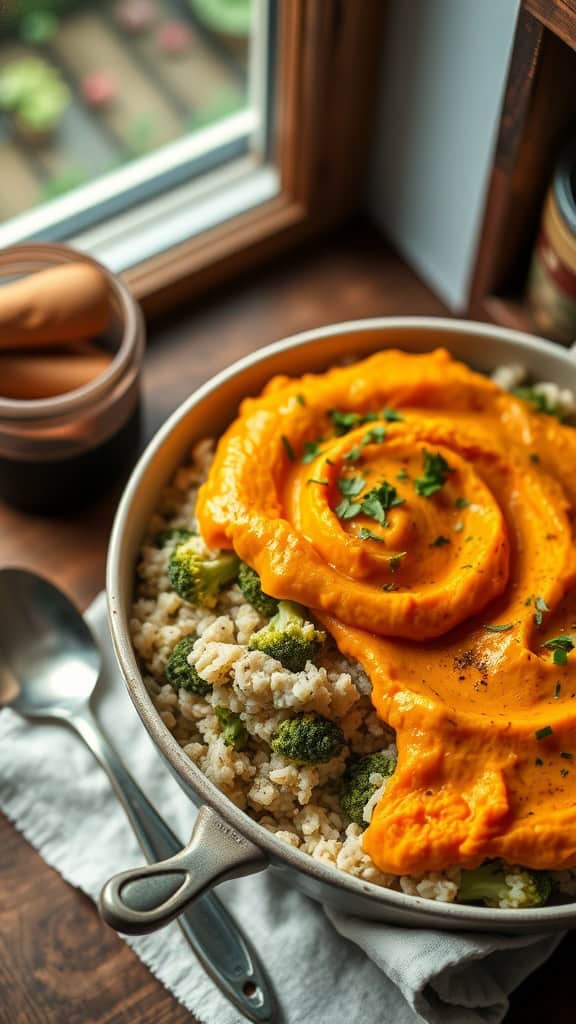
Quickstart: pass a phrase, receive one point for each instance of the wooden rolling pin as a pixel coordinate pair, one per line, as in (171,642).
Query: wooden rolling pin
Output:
(37,375)
(54,306)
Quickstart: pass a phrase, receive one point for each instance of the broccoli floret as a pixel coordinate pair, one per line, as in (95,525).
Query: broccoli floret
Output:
(288,637)
(176,534)
(502,885)
(234,732)
(249,583)
(310,739)
(357,787)
(195,578)
(180,674)
(539,401)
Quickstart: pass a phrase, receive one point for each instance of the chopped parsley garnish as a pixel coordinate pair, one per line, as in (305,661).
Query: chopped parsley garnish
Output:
(539,401)
(379,500)
(348,509)
(564,772)
(349,486)
(500,629)
(440,541)
(541,607)
(528,602)
(313,480)
(343,422)
(300,399)
(544,732)
(311,451)
(538,762)
(354,454)
(461,502)
(365,534)
(557,689)
(436,471)
(374,436)
(534,457)
(402,475)
(566,755)
(288,448)
(394,562)
(389,587)
(561,646)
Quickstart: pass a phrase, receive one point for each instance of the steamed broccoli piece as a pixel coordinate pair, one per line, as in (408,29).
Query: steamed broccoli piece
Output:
(310,739)
(251,587)
(195,578)
(356,786)
(539,401)
(234,732)
(288,637)
(500,885)
(180,674)
(176,534)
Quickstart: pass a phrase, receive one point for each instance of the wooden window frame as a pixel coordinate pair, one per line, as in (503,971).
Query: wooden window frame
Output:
(325,90)
(538,108)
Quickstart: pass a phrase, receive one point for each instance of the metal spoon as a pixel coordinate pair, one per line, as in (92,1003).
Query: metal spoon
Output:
(49,667)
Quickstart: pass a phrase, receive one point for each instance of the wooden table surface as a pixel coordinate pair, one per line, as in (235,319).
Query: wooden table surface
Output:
(58,962)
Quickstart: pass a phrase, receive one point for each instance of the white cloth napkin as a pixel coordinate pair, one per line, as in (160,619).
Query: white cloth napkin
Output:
(324,966)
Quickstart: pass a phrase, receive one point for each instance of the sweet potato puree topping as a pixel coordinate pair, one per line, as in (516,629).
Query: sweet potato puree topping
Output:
(426,517)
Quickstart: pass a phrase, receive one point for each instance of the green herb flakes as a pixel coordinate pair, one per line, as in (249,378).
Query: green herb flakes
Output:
(538,762)
(436,472)
(376,435)
(440,542)
(544,732)
(394,562)
(354,454)
(564,772)
(390,587)
(500,629)
(561,647)
(557,689)
(311,451)
(534,457)
(402,475)
(541,607)
(314,480)
(288,448)
(300,399)
(566,755)
(461,503)
(365,534)
(349,486)
(379,500)
(348,509)
(391,415)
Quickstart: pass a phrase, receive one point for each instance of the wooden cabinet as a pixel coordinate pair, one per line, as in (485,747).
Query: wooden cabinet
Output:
(538,118)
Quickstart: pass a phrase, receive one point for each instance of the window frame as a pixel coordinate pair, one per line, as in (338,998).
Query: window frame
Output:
(323,89)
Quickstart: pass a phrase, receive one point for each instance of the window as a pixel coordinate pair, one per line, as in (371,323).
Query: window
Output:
(166,137)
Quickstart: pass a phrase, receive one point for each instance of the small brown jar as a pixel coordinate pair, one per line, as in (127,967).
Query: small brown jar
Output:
(59,453)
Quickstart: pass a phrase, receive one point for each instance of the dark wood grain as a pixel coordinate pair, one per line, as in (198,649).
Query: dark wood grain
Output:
(58,963)
(538,114)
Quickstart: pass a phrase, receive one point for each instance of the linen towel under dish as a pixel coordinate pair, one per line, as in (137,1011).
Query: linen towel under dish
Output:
(325,966)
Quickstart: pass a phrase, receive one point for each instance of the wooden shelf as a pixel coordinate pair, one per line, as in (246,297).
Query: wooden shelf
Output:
(538,117)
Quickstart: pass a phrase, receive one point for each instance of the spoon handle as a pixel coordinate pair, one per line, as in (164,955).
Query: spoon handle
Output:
(210,930)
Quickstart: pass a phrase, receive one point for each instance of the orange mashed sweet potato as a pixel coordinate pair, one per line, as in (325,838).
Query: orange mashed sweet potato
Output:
(425,516)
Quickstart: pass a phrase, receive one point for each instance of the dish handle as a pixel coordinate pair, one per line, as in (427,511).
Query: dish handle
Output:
(147,898)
